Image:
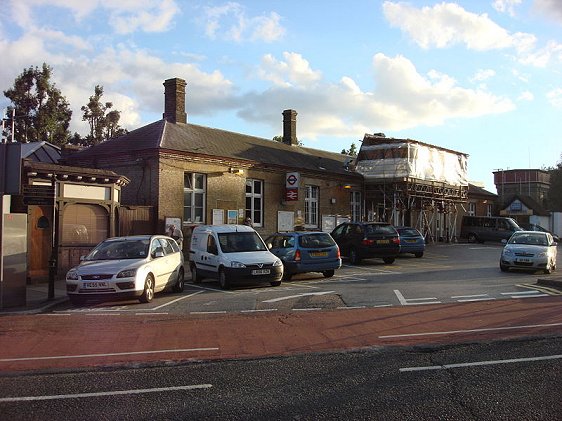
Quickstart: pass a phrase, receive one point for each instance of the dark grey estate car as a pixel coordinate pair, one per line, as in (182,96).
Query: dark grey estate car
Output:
(364,240)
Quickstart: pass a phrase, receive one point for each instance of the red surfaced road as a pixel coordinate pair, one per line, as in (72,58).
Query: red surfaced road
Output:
(60,341)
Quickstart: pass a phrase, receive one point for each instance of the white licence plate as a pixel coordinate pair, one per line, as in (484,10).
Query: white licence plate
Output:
(520,260)
(95,285)
(260,272)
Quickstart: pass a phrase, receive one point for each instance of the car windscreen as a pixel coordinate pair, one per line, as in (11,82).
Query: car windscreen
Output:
(408,232)
(529,239)
(316,240)
(116,250)
(235,242)
(380,229)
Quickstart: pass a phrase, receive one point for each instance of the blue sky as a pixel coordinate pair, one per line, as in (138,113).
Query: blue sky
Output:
(482,77)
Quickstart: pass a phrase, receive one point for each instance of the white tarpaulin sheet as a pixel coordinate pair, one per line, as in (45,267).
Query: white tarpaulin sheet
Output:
(398,160)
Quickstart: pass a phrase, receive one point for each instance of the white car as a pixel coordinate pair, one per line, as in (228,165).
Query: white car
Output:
(529,250)
(127,267)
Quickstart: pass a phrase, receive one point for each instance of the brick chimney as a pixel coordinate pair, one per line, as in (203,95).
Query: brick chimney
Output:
(174,101)
(290,127)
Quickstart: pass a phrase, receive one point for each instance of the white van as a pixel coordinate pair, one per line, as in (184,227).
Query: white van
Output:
(232,254)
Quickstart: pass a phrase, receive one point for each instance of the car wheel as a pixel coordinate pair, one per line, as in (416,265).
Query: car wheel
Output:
(275,283)
(472,238)
(77,301)
(389,260)
(180,282)
(148,293)
(195,277)
(504,268)
(328,273)
(354,259)
(419,254)
(223,280)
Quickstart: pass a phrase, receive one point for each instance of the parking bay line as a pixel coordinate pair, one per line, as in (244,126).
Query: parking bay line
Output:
(108,393)
(111,354)
(481,363)
(404,301)
(289,297)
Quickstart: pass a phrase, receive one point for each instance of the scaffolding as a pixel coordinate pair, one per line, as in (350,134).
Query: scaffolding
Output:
(413,183)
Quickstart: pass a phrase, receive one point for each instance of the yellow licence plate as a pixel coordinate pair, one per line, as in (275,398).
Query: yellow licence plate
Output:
(319,253)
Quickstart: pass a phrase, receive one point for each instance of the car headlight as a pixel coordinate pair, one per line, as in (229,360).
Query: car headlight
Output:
(72,274)
(542,254)
(238,265)
(278,262)
(507,252)
(127,273)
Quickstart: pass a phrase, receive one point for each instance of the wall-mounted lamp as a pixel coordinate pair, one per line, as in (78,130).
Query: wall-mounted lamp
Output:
(346,186)
(236,170)
(333,200)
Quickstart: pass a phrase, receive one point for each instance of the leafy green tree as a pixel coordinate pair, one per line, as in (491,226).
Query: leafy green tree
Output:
(42,113)
(103,121)
(352,151)
(555,190)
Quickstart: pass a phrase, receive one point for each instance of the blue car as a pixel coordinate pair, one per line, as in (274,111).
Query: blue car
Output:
(411,241)
(305,251)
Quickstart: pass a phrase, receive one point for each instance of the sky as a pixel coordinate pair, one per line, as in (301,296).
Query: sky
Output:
(481,77)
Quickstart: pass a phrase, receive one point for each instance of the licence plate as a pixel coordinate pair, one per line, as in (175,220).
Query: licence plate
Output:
(260,272)
(521,260)
(410,241)
(92,285)
(383,241)
(319,253)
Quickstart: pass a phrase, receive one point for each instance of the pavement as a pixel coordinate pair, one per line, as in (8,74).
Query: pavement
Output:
(37,298)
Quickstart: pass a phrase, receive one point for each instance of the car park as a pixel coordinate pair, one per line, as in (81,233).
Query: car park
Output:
(529,250)
(305,251)
(126,268)
(233,254)
(535,227)
(411,241)
(365,240)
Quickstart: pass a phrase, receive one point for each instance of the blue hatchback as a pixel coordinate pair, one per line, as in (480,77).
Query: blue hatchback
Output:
(305,251)
(411,241)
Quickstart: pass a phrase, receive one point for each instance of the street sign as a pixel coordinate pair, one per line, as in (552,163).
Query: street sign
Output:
(292,180)
(291,194)
(38,195)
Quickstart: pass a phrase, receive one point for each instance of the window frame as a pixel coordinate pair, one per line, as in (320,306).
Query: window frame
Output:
(194,192)
(311,206)
(255,213)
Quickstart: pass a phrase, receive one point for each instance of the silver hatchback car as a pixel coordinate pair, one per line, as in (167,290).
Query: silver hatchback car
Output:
(530,250)
(126,268)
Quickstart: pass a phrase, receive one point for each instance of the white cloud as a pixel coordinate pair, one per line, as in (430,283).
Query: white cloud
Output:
(483,74)
(294,71)
(506,6)
(555,98)
(402,98)
(231,22)
(125,16)
(549,8)
(448,24)
(526,96)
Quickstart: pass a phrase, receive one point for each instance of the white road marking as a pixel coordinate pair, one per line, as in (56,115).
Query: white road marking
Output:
(259,311)
(176,300)
(350,308)
(450,332)
(108,393)
(111,354)
(290,297)
(469,296)
(521,292)
(481,363)
(470,300)
(211,289)
(208,312)
(404,301)
(307,309)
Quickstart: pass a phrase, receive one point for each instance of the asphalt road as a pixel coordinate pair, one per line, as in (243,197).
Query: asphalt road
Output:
(448,273)
(504,380)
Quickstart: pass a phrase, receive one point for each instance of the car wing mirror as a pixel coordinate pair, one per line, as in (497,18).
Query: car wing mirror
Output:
(82,258)
(159,252)
(504,241)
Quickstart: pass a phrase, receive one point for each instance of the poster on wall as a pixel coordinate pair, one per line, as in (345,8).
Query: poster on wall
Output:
(218,217)
(172,224)
(285,221)
(232,216)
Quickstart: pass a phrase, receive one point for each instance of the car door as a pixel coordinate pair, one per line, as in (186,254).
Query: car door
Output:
(341,237)
(158,263)
(170,264)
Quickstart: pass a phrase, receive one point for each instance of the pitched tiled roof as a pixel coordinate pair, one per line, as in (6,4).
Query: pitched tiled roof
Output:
(479,191)
(201,140)
(528,201)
